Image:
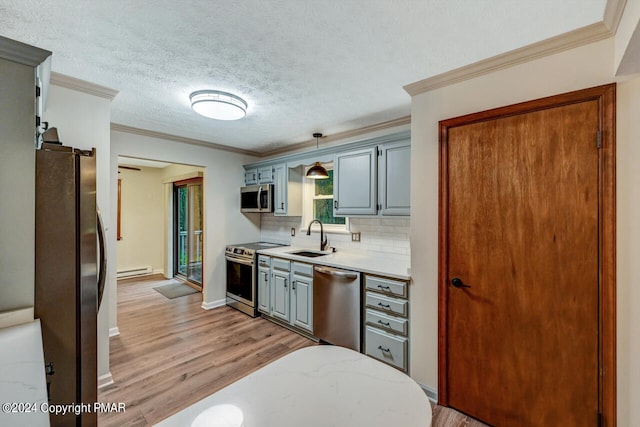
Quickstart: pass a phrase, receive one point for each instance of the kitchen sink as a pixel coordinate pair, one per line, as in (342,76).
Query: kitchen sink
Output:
(310,254)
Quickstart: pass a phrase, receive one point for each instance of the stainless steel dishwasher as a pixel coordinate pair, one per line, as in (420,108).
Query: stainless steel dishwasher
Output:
(336,306)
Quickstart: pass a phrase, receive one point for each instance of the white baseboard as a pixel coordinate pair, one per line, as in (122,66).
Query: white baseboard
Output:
(105,380)
(158,271)
(113,332)
(431,393)
(213,304)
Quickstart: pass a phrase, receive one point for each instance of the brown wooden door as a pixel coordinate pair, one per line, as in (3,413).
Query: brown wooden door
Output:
(520,225)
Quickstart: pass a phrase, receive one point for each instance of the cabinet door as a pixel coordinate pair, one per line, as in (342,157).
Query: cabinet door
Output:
(394,178)
(280,189)
(264,294)
(302,302)
(354,188)
(265,175)
(250,176)
(280,295)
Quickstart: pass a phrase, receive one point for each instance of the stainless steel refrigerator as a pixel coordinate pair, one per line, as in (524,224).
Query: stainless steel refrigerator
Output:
(70,257)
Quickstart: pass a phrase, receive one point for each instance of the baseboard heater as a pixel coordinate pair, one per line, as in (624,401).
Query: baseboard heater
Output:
(134,272)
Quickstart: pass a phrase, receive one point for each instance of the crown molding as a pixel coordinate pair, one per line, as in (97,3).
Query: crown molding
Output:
(175,138)
(22,53)
(390,124)
(570,40)
(69,82)
(573,39)
(613,14)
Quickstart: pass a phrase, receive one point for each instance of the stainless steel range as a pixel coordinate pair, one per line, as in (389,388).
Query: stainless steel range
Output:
(242,286)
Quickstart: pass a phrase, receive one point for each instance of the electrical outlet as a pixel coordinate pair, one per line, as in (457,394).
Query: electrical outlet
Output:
(293,231)
(355,237)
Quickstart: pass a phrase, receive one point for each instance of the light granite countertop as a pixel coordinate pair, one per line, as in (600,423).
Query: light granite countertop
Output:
(316,386)
(394,266)
(23,389)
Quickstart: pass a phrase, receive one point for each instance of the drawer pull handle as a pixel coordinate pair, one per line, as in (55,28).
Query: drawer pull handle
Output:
(384,288)
(386,350)
(387,324)
(384,305)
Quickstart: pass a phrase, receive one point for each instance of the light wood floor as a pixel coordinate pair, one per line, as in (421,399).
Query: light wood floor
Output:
(172,353)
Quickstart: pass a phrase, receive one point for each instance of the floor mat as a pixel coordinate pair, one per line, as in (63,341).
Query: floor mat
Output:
(175,289)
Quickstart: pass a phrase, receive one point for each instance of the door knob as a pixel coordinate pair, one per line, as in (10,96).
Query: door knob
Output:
(458,283)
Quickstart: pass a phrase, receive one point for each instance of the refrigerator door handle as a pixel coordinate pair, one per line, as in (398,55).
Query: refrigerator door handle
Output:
(102,265)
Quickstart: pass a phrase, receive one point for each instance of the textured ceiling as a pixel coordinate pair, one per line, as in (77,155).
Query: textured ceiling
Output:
(302,65)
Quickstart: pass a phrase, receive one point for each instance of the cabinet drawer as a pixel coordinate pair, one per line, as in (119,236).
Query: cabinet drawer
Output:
(280,264)
(386,286)
(264,261)
(388,348)
(386,304)
(302,269)
(387,323)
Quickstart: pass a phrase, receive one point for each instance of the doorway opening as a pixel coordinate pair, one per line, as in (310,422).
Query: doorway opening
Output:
(188,231)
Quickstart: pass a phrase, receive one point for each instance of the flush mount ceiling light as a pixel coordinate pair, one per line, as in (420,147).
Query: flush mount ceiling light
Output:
(317,171)
(218,105)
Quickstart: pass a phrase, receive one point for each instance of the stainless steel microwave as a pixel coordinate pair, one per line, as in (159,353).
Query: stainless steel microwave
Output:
(256,198)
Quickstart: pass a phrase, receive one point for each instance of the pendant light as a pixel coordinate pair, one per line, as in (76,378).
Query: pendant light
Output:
(317,171)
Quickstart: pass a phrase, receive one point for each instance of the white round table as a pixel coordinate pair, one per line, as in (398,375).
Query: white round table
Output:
(316,386)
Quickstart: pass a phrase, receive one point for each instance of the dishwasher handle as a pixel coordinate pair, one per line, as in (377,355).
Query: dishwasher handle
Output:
(333,272)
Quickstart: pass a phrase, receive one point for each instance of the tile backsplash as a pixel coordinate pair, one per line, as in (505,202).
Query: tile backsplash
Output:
(386,235)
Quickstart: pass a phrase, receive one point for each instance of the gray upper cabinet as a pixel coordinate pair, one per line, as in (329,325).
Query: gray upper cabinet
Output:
(373,181)
(355,183)
(287,186)
(371,177)
(394,178)
(265,175)
(251,176)
(261,175)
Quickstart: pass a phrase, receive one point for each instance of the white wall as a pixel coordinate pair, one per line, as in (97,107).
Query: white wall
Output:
(83,121)
(628,251)
(583,67)
(142,219)
(624,33)
(223,177)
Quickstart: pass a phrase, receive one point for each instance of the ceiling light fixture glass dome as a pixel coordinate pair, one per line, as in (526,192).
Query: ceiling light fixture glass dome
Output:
(218,105)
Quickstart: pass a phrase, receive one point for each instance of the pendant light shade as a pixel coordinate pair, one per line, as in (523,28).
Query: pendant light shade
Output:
(317,171)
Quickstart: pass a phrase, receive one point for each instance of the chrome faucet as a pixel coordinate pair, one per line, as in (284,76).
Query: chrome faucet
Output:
(323,238)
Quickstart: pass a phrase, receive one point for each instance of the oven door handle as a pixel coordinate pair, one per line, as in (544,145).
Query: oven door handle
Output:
(239,260)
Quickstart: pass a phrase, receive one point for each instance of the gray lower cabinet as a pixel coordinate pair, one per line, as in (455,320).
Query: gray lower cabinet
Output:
(264,279)
(285,294)
(386,317)
(280,289)
(285,291)
(302,295)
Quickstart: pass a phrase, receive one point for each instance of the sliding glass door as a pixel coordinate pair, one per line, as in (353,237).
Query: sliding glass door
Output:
(188,230)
